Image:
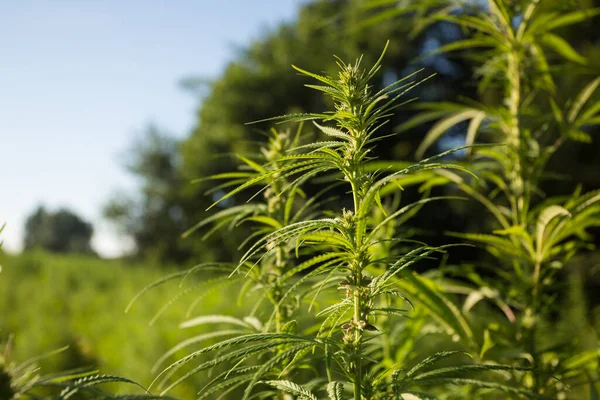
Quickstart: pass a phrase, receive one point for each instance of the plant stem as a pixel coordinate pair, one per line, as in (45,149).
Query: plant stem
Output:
(358,345)
(357,269)
(513,137)
(521,192)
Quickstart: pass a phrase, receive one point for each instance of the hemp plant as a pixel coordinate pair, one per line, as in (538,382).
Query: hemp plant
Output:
(533,237)
(340,264)
(266,277)
(278,208)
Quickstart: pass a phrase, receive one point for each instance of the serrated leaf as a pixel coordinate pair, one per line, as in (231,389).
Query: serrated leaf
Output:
(335,390)
(271,363)
(497,242)
(93,381)
(431,360)
(487,385)
(438,305)
(414,395)
(194,340)
(332,132)
(461,369)
(214,319)
(292,388)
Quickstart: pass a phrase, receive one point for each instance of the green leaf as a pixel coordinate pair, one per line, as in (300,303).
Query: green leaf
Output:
(516,230)
(442,126)
(406,209)
(472,129)
(544,219)
(497,8)
(582,98)
(229,379)
(476,22)
(214,319)
(324,79)
(497,242)
(290,327)
(487,385)
(431,360)
(488,343)
(465,44)
(255,166)
(263,219)
(292,388)
(562,47)
(267,340)
(556,111)
(333,132)
(438,305)
(64,376)
(335,390)
(192,341)
(157,283)
(272,363)
(93,381)
(584,360)
(379,204)
(421,118)
(461,369)
(384,15)
(579,136)
(571,18)
(416,395)
(230,356)
(33,360)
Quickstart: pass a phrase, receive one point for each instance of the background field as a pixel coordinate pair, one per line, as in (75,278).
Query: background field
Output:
(50,301)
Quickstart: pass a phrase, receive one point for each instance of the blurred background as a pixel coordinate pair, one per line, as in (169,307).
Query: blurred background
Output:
(83,82)
(109,109)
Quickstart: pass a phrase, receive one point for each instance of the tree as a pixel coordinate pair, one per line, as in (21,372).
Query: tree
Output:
(154,217)
(61,232)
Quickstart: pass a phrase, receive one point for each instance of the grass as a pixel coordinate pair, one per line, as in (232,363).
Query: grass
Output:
(49,301)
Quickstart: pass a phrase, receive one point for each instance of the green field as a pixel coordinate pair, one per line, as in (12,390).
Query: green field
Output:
(49,301)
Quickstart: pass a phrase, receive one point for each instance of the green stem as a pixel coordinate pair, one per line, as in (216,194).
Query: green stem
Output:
(358,345)
(514,137)
(522,192)
(357,306)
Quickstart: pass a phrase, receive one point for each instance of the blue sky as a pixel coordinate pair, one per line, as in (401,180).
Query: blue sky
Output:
(80,80)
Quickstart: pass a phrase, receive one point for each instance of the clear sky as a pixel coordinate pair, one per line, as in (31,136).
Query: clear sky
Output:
(80,80)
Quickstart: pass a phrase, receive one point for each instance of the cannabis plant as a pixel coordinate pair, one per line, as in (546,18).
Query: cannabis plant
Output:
(266,278)
(533,237)
(283,203)
(338,254)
